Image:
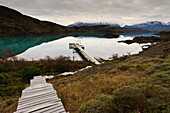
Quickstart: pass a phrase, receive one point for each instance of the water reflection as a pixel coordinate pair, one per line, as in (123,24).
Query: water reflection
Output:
(37,47)
(97,47)
(15,45)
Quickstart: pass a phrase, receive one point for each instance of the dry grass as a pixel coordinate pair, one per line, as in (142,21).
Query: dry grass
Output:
(76,93)
(9,105)
(84,86)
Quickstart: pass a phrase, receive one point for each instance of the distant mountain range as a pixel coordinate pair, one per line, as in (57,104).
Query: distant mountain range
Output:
(78,24)
(151,26)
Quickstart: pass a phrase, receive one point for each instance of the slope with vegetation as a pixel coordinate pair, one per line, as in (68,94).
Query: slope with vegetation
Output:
(130,84)
(13,23)
(138,83)
(15,75)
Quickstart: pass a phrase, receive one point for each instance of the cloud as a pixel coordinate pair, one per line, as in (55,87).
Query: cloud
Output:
(115,11)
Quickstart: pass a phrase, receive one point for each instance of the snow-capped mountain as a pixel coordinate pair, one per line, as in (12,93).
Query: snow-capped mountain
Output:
(168,23)
(153,25)
(77,24)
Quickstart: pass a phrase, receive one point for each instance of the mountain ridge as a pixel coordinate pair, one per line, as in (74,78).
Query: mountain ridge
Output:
(78,24)
(151,25)
(13,23)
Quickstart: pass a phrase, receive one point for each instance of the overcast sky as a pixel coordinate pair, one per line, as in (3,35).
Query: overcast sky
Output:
(114,11)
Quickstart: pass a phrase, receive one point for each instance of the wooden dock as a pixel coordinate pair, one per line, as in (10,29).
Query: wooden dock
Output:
(40,97)
(83,52)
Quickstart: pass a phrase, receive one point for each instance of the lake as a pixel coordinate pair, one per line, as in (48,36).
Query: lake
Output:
(38,47)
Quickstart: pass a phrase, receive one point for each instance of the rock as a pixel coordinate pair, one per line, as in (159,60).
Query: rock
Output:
(127,41)
(142,39)
(111,35)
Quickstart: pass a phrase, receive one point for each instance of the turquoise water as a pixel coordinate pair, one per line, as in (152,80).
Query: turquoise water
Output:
(39,47)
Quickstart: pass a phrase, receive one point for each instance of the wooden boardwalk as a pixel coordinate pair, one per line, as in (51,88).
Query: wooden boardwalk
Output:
(40,97)
(84,53)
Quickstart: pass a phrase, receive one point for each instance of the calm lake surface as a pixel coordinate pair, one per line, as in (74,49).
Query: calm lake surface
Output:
(97,47)
(38,47)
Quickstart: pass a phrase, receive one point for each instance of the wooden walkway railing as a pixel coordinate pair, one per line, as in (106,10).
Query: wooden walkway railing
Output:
(40,97)
(84,53)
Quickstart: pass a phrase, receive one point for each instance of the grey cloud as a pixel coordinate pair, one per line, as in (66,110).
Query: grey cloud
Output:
(116,11)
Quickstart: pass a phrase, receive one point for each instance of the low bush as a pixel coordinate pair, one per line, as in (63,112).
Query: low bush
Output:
(4,69)
(5,79)
(142,98)
(29,72)
(61,68)
(95,106)
(123,67)
(10,91)
(161,78)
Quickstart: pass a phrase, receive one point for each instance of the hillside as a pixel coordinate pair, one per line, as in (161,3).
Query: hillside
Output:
(131,84)
(13,23)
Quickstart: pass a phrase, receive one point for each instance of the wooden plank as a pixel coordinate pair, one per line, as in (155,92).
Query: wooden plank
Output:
(40,96)
(86,55)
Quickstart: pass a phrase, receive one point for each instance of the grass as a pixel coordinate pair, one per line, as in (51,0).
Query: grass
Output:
(16,73)
(104,79)
(9,105)
(108,79)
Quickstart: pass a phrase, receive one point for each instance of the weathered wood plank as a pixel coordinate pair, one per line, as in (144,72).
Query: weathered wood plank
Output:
(39,97)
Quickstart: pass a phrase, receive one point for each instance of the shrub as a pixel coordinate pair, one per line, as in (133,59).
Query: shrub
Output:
(115,57)
(123,67)
(102,104)
(29,72)
(4,79)
(158,68)
(104,98)
(112,71)
(94,106)
(142,98)
(164,67)
(4,69)
(61,68)
(162,78)
(129,98)
(11,91)
(142,67)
